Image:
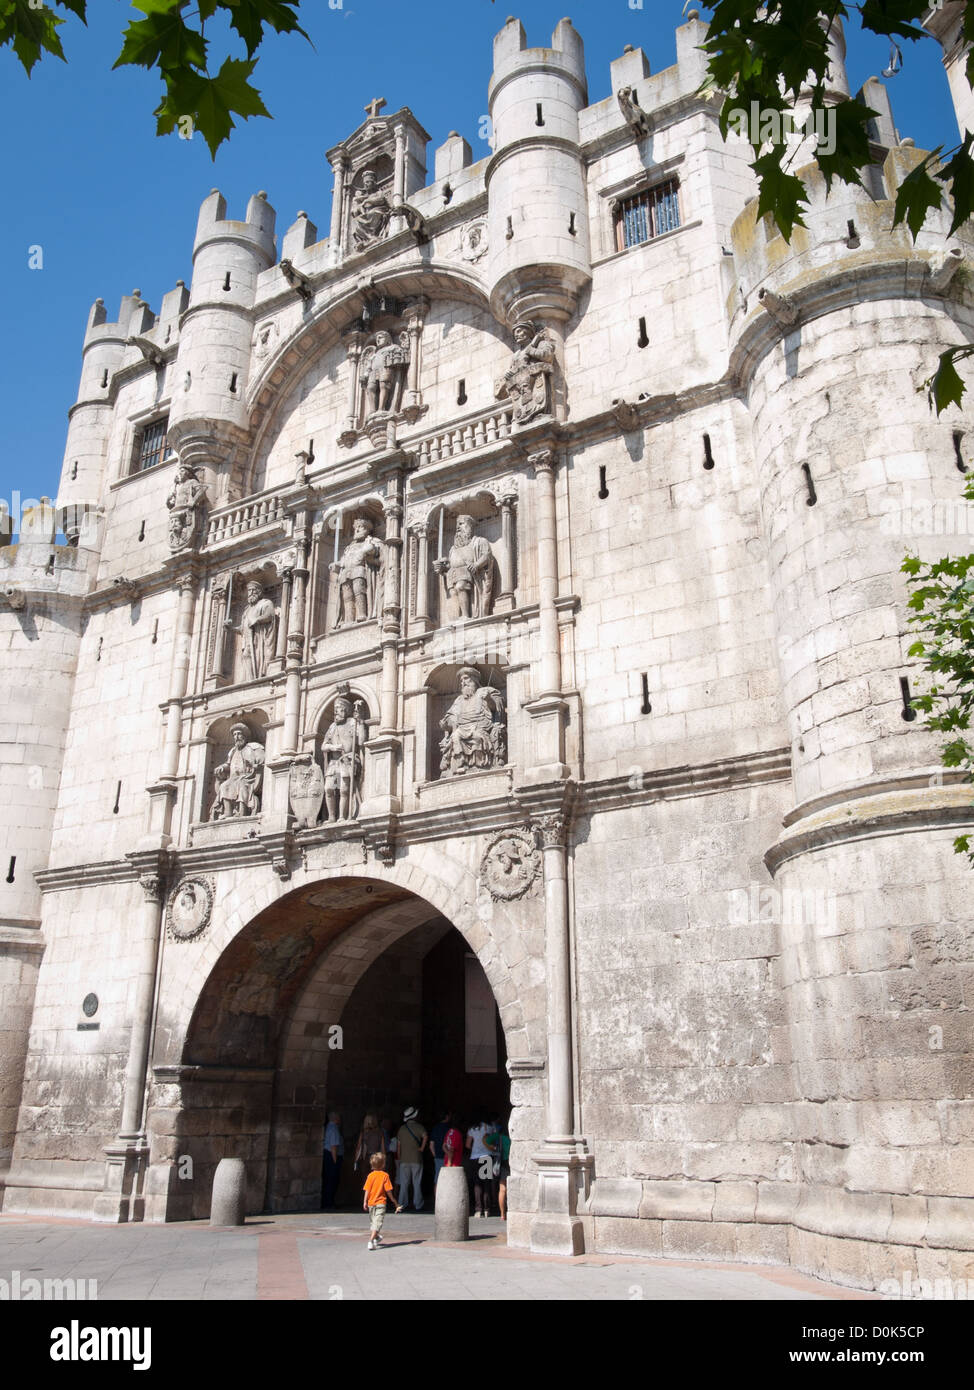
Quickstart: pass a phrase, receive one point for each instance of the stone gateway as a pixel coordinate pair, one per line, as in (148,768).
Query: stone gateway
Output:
(554,709)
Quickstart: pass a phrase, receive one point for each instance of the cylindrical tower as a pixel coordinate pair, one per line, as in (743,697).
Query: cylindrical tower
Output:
(539,256)
(208,414)
(42,586)
(835,335)
(90,420)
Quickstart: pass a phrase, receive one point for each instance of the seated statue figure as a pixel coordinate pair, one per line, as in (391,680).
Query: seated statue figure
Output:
(238,779)
(474,734)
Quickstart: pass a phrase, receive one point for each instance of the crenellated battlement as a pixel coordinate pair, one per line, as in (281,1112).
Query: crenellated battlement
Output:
(257,228)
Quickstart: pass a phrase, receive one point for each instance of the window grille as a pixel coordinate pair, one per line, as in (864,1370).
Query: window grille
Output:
(153,445)
(648,214)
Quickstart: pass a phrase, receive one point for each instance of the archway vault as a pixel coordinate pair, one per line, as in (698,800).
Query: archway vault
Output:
(251,1079)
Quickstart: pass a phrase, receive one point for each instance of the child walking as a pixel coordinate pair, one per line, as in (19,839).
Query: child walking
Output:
(377,1187)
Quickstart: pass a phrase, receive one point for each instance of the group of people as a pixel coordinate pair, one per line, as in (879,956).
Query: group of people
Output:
(484,1149)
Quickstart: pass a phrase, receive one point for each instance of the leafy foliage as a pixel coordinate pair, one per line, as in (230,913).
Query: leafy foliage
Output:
(942,603)
(163,40)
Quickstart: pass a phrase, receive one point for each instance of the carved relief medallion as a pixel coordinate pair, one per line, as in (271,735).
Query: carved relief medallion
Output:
(189,909)
(511,864)
(473,240)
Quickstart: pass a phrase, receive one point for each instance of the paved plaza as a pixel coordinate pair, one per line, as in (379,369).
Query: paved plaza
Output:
(317,1256)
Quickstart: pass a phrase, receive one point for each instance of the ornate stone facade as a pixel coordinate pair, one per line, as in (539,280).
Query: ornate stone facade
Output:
(456,607)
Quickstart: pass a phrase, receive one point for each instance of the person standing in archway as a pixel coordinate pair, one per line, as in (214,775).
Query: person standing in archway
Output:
(480,1167)
(371,1141)
(411,1144)
(334,1150)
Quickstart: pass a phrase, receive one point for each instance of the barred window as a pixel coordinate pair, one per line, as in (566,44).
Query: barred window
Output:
(153,446)
(647,214)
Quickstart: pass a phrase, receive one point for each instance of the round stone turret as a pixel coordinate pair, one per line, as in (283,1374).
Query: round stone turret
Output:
(539,256)
(208,412)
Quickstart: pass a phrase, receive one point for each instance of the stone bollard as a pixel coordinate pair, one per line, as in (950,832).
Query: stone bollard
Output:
(229,1193)
(452,1205)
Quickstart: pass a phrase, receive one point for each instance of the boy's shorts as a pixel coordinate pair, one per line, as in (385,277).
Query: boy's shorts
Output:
(376,1217)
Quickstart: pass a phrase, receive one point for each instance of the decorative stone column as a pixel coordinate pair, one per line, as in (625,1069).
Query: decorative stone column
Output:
(218,618)
(384,748)
(421,617)
(162,793)
(354,342)
(547,709)
(564,1163)
(415,316)
(294,643)
(506,599)
(180,670)
(339,168)
(280,648)
(122,1198)
(391,611)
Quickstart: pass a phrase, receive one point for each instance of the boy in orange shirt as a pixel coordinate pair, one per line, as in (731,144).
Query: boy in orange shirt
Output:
(377,1187)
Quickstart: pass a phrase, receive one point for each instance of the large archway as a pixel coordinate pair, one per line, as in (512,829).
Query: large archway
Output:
(349,993)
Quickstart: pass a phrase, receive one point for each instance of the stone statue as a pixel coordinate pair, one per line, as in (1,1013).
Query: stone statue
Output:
(527,381)
(257,625)
(185,503)
(634,115)
(370,213)
(475,733)
(357,575)
(383,370)
(238,780)
(470,572)
(341,748)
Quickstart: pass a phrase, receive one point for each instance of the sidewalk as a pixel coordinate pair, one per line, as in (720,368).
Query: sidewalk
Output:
(324,1256)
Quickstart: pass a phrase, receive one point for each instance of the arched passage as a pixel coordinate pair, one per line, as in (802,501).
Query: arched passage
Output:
(268,1038)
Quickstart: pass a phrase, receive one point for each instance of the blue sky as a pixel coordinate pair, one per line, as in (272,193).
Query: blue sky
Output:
(114,207)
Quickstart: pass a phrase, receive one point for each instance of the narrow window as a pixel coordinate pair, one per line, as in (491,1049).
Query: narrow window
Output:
(908,712)
(958,456)
(643,339)
(646,706)
(708,458)
(226,282)
(539,118)
(810,484)
(461,392)
(152,446)
(647,214)
(603,490)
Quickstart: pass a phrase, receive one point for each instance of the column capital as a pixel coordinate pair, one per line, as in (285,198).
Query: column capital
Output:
(553,830)
(543,460)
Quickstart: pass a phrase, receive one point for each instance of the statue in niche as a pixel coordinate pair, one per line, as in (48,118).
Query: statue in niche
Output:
(185,503)
(370,212)
(470,572)
(527,381)
(383,373)
(475,731)
(257,624)
(238,780)
(357,575)
(341,749)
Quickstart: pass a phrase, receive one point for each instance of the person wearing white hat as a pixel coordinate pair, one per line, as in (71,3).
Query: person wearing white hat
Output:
(411,1142)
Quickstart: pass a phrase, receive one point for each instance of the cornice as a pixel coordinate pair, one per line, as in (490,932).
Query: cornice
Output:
(564,801)
(896,807)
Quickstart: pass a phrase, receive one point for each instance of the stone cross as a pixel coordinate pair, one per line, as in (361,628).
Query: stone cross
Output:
(374,107)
